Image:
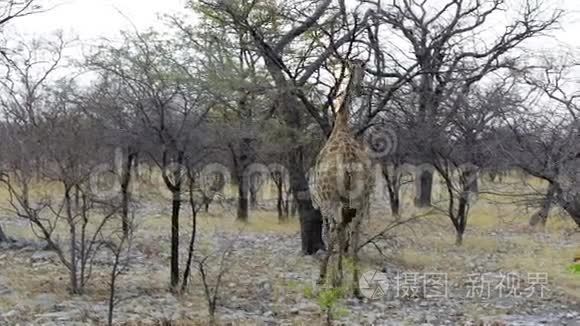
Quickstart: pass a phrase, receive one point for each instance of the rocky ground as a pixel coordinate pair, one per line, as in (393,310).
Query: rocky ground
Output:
(268,282)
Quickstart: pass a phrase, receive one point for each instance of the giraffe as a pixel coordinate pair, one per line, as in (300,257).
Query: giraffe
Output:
(343,182)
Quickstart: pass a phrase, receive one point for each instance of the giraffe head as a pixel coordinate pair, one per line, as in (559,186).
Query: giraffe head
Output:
(357,69)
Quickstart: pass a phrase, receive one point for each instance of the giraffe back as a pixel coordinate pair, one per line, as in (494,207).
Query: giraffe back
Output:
(343,173)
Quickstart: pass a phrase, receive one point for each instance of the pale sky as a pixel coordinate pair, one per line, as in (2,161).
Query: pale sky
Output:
(91,19)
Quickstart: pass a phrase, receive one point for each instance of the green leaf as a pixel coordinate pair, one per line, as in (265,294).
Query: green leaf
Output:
(574,269)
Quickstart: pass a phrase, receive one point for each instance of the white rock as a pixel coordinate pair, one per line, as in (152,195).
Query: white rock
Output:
(268,314)
(10,314)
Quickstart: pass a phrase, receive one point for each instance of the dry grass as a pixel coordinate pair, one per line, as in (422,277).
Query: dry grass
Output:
(430,246)
(259,222)
(426,245)
(542,258)
(496,226)
(27,283)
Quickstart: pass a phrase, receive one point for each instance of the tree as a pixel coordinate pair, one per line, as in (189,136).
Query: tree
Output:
(545,141)
(10,10)
(24,81)
(447,58)
(106,105)
(161,94)
(291,59)
(234,79)
(120,246)
(50,140)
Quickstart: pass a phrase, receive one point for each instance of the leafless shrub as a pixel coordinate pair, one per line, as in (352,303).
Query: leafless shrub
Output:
(211,269)
(120,245)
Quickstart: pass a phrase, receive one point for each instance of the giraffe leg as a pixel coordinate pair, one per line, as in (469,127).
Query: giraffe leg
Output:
(325,259)
(340,237)
(326,232)
(354,256)
(347,236)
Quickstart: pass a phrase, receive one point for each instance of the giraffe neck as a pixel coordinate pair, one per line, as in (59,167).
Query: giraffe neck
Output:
(342,116)
(344,102)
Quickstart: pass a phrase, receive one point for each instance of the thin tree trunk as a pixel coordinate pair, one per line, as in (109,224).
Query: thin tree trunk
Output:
(395,203)
(83,250)
(73,241)
(242,201)
(187,272)
(424,186)
(464,202)
(461,220)
(286,208)
(112,292)
(206,203)
(393,187)
(279,183)
(541,216)
(282,217)
(458,238)
(241,162)
(176,206)
(469,178)
(125,194)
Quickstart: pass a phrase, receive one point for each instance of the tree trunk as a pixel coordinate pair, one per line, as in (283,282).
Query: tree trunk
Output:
(279,203)
(467,193)
(74,286)
(541,216)
(280,206)
(254,187)
(458,238)
(395,203)
(461,218)
(125,194)
(242,201)
(187,272)
(573,209)
(241,162)
(393,187)
(253,199)
(286,208)
(206,204)
(310,219)
(310,228)
(175,207)
(424,186)
(112,292)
